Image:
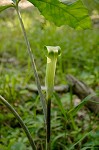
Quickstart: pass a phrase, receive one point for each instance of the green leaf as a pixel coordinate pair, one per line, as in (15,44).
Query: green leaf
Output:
(5,7)
(60,105)
(83,137)
(79,106)
(74,14)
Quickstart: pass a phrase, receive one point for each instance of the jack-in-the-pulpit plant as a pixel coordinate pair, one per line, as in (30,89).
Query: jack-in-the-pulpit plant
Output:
(72,13)
(52,54)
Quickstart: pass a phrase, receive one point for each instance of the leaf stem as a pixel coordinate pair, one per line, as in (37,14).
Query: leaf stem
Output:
(33,64)
(20,121)
(48,125)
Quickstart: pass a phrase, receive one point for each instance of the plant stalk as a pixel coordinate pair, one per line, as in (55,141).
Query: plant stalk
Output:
(33,64)
(20,121)
(53,52)
(48,128)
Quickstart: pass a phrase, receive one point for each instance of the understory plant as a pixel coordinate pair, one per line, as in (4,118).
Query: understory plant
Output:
(72,13)
(53,52)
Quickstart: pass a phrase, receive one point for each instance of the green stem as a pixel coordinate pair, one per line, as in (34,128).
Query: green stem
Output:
(73,123)
(33,63)
(48,124)
(20,121)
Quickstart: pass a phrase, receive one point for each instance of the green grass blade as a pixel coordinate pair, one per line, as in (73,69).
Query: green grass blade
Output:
(72,147)
(60,105)
(78,107)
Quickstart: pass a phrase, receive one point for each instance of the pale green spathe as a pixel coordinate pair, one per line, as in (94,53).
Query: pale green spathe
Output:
(53,52)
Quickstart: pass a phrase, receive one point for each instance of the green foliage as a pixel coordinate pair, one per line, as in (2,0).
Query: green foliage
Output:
(74,14)
(60,105)
(74,111)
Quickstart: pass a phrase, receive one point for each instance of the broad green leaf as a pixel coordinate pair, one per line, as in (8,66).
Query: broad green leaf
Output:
(74,14)
(5,7)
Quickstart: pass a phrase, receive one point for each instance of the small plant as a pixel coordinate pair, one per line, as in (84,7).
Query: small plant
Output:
(72,13)
(52,55)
